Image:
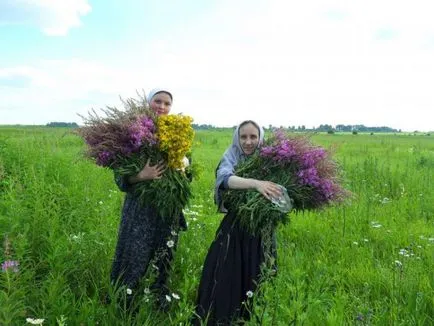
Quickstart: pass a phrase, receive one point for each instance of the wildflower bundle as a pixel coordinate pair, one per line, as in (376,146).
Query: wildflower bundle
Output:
(307,172)
(125,140)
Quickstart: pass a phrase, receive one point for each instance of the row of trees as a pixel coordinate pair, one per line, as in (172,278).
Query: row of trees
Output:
(62,124)
(321,128)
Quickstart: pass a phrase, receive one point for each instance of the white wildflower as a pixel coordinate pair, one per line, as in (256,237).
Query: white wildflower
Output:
(398,263)
(385,200)
(168,298)
(402,190)
(249,294)
(176,296)
(76,237)
(129,291)
(355,243)
(35,321)
(185,162)
(170,243)
(375,224)
(190,212)
(173,233)
(403,252)
(147,291)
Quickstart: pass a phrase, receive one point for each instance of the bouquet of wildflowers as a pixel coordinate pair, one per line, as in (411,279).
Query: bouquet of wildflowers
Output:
(306,172)
(124,141)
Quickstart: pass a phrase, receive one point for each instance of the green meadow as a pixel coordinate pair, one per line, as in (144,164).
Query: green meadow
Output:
(368,262)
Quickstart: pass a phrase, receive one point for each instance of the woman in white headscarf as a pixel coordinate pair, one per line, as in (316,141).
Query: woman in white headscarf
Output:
(233,264)
(143,235)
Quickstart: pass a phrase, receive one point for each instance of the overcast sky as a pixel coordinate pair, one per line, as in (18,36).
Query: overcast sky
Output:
(280,62)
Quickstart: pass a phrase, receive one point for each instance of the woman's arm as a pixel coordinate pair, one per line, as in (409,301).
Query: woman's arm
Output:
(267,188)
(149,172)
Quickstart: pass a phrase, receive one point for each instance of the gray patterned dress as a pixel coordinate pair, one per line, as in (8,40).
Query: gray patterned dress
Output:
(142,238)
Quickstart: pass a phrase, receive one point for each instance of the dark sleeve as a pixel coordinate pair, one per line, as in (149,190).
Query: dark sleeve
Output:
(122,183)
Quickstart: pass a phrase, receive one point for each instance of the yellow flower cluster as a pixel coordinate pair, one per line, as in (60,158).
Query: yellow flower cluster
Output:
(175,134)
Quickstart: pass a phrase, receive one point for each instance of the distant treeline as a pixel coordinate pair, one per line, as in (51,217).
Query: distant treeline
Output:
(62,124)
(321,128)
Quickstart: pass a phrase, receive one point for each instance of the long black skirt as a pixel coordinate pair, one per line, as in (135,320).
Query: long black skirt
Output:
(143,237)
(231,272)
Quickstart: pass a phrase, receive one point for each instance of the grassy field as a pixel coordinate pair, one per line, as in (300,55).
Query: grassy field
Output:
(370,262)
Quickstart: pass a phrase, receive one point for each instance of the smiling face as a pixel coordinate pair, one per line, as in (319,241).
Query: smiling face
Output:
(161,103)
(249,138)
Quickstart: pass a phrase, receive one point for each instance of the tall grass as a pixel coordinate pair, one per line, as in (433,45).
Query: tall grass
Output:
(367,263)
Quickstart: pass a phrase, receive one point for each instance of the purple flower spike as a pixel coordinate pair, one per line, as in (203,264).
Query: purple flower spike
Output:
(10,265)
(104,158)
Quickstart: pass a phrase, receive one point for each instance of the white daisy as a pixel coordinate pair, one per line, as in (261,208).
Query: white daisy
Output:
(35,321)
(170,243)
(175,296)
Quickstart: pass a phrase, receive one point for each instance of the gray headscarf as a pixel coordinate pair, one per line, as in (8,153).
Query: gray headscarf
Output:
(230,159)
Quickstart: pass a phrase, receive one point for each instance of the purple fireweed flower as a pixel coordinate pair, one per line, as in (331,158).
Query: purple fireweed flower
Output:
(281,151)
(312,157)
(104,158)
(141,132)
(148,123)
(325,188)
(309,177)
(10,265)
(266,151)
(324,193)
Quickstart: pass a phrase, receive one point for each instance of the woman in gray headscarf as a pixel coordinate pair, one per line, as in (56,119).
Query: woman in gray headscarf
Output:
(143,235)
(233,264)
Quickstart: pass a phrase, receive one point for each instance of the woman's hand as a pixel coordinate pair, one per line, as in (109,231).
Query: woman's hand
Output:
(149,172)
(268,189)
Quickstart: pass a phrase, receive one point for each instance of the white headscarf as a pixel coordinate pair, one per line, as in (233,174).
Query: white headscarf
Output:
(158,90)
(229,161)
